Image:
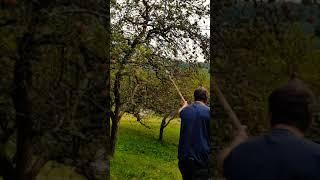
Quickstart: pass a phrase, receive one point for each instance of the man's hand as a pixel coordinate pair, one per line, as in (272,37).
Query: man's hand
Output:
(183,105)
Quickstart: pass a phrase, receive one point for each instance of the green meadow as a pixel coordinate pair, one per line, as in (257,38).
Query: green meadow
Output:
(139,154)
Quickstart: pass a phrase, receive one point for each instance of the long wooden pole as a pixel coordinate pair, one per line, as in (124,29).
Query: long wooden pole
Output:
(180,94)
(227,106)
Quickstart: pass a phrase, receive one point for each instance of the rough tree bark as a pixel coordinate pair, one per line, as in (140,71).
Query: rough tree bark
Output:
(23,107)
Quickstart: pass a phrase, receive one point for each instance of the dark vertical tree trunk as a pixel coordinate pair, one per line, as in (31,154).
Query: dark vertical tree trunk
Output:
(137,116)
(116,115)
(114,134)
(116,91)
(215,27)
(162,126)
(23,107)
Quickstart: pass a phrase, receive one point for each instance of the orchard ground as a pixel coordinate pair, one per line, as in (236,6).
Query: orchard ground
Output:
(139,154)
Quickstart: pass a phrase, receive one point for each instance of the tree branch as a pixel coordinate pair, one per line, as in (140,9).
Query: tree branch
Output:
(173,115)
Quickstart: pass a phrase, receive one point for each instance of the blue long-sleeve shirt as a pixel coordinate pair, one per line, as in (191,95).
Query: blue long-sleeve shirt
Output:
(279,155)
(194,133)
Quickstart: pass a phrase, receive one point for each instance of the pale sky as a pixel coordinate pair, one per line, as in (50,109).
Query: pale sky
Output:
(205,30)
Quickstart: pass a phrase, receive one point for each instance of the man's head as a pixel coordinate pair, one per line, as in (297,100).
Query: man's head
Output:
(201,94)
(290,105)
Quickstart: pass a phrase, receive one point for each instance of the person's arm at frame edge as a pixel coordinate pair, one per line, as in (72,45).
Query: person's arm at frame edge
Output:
(223,154)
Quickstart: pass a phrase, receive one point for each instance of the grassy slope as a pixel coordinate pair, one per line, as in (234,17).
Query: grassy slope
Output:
(140,156)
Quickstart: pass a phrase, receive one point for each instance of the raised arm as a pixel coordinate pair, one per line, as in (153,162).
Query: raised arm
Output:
(183,105)
(240,137)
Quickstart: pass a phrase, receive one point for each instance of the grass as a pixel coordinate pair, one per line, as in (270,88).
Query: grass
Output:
(139,154)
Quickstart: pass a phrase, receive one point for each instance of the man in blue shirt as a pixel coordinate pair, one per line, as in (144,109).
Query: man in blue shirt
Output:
(283,153)
(194,148)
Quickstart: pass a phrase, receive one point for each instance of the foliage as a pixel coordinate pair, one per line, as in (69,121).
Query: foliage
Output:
(149,37)
(51,85)
(255,54)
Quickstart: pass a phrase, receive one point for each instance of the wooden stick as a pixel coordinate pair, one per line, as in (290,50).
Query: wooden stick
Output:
(227,106)
(176,88)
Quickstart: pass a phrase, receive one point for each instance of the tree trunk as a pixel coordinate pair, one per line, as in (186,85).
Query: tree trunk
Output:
(101,164)
(116,91)
(116,114)
(96,167)
(23,107)
(114,134)
(137,116)
(161,133)
(162,126)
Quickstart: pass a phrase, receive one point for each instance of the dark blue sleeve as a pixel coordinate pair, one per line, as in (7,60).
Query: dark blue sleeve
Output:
(182,116)
(182,113)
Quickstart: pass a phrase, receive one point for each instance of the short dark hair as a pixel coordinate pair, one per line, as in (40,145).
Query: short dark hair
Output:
(200,94)
(291,105)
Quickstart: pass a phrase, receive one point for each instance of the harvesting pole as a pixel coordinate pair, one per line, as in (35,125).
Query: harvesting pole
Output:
(226,106)
(175,85)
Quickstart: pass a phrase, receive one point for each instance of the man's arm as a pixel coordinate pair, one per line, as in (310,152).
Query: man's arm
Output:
(184,104)
(238,139)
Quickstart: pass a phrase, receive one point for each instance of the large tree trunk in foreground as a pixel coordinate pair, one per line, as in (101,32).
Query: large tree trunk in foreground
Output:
(23,107)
